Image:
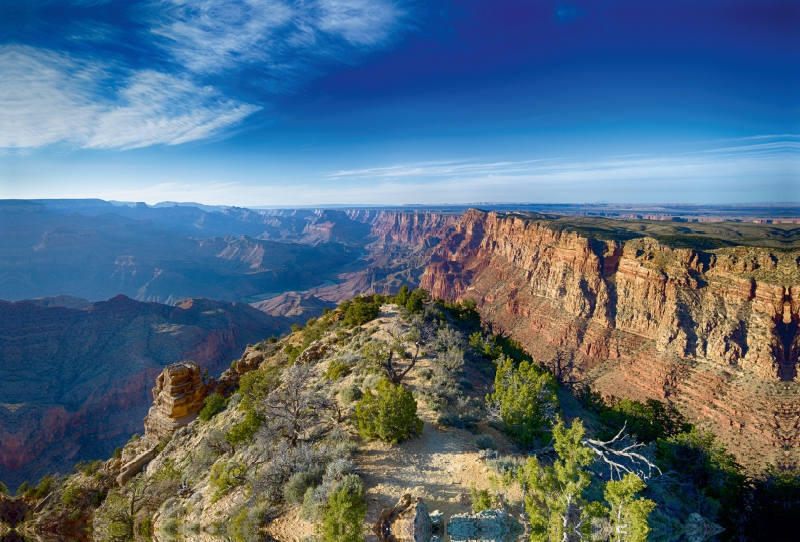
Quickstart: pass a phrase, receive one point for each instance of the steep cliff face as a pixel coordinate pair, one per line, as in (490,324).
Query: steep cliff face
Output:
(713,330)
(400,245)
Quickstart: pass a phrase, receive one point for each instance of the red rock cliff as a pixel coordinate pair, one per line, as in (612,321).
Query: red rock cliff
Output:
(715,331)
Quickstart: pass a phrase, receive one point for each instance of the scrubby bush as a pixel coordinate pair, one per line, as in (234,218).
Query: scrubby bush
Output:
(146,528)
(245,524)
(648,421)
(525,398)
(337,370)
(71,494)
(485,442)
(345,512)
(292,352)
(163,444)
(704,463)
(295,489)
(213,405)
(481,500)
(390,416)
(3,489)
(225,475)
(256,385)
(360,311)
(350,393)
(42,488)
(244,431)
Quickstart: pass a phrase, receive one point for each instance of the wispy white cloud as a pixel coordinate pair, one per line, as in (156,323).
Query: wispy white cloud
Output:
(733,160)
(360,22)
(737,173)
(48,98)
(285,36)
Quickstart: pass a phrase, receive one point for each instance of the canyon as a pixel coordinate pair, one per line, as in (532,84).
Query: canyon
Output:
(712,330)
(701,314)
(76,382)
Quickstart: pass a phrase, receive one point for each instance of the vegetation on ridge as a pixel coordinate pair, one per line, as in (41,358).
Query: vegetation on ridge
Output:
(287,442)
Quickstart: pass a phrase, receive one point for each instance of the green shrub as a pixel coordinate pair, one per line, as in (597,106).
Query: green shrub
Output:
(225,475)
(117,452)
(416,301)
(390,416)
(485,442)
(42,488)
(647,421)
(481,500)
(526,397)
(292,352)
(71,494)
(350,393)
(337,370)
(171,528)
(88,468)
(98,498)
(3,489)
(214,404)
(295,489)
(146,528)
(245,523)
(345,512)
(296,328)
(359,312)
(256,385)
(702,461)
(244,431)
(23,488)
(163,444)
(402,296)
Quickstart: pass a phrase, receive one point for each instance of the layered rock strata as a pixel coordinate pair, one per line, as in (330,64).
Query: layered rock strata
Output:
(712,330)
(177,400)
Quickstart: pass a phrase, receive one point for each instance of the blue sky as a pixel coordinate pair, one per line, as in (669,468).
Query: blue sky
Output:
(280,102)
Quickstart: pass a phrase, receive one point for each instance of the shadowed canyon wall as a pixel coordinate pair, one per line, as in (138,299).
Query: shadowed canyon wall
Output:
(713,330)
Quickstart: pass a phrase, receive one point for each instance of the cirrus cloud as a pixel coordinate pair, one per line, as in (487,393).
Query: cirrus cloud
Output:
(95,97)
(48,97)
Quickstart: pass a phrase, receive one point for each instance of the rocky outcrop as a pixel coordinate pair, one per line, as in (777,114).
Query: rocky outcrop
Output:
(177,400)
(229,380)
(412,228)
(409,520)
(713,330)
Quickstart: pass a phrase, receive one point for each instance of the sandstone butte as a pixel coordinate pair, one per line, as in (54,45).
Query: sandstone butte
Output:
(712,331)
(178,398)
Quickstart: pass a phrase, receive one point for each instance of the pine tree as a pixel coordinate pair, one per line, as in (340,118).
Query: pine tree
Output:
(628,514)
(555,504)
(526,398)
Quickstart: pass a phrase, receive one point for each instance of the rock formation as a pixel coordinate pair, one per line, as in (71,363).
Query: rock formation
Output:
(177,400)
(408,521)
(712,330)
